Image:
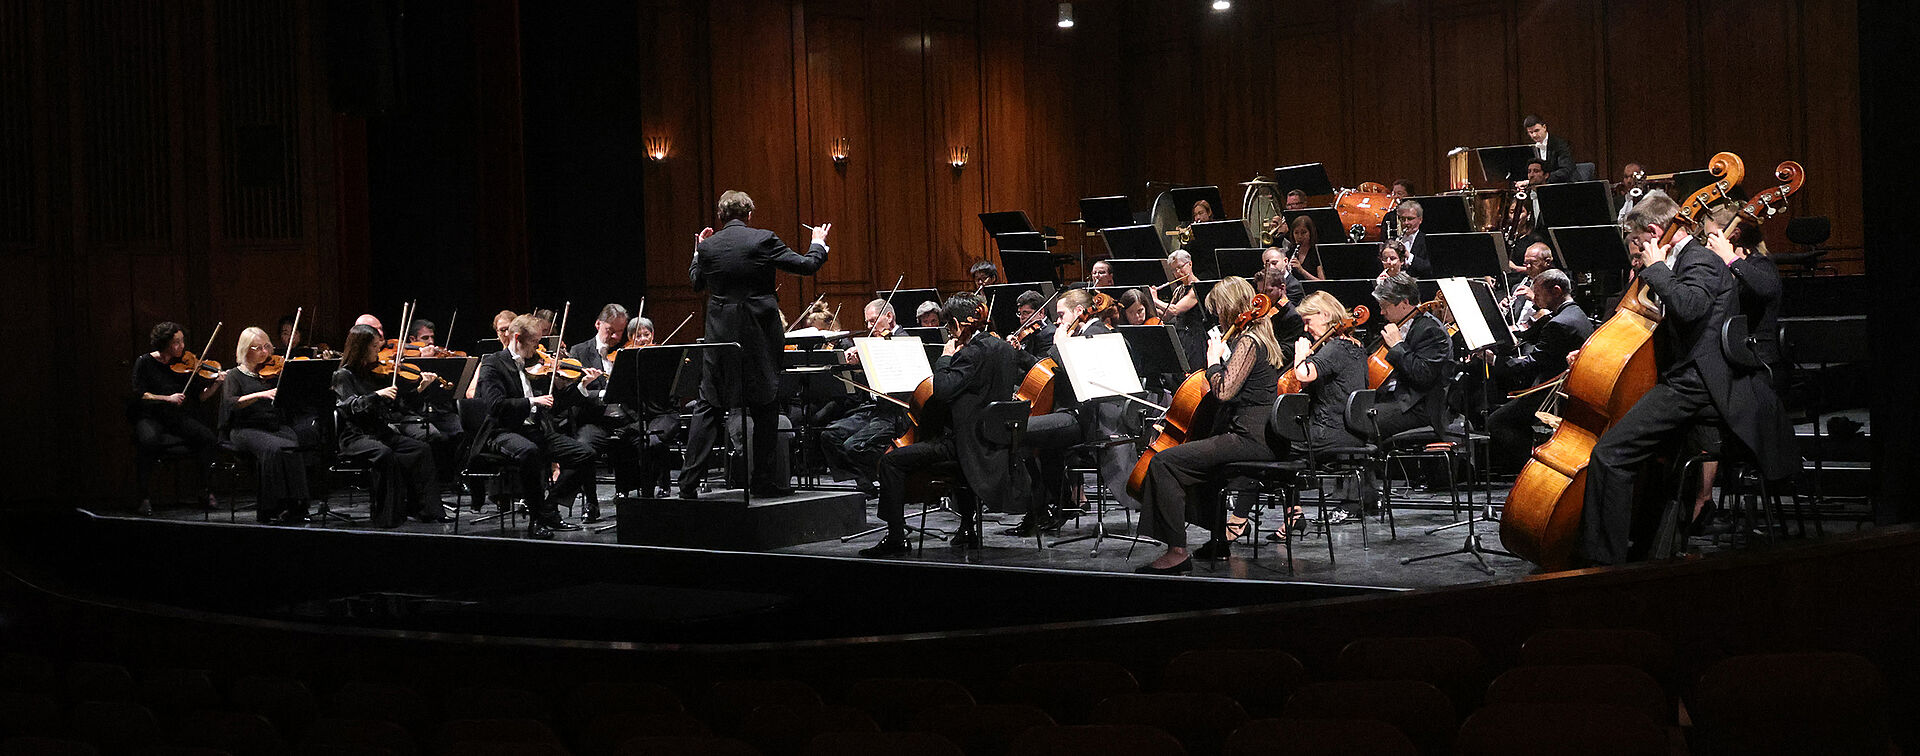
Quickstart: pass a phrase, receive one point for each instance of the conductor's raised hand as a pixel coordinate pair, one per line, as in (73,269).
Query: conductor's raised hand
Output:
(702,236)
(820,232)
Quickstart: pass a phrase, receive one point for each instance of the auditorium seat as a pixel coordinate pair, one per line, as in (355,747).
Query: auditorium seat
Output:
(1319,737)
(1201,721)
(115,727)
(1792,703)
(730,701)
(28,714)
(286,702)
(29,673)
(1259,679)
(685,745)
(488,701)
(787,728)
(1418,708)
(1602,684)
(1562,729)
(606,732)
(235,732)
(1067,690)
(173,692)
(97,681)
(382,701)
(1095,740)
(589,701)
(506,749)
(1642,649)
(880,744)
(33,745)
(982,730)
(1453,665)
(895,701)
(360,733)
(460,731)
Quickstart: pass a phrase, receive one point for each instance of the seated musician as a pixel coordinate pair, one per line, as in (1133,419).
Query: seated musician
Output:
(1306,249)
(525,424)
(1401,188)
(1697,385)
(251,417)
(604,427)
(1201,212)
(984,274)
(1393,259)
(1027,310)
(975,369)
(162,413)
(1519,306)
(501,320)
(1242,377)
(1413,395)
(292,344)
(375,426)
(434,403)
(1413,244)
(1051,434)
(421,331)
(1623,192)
(1101,275)
(1135,306)
(1296,199)
(1328,374)
(927,315)
(1554,154)
(1557,327)
(1286,318)
(1274,262)
(1182,306)
(661,430)
(855,442)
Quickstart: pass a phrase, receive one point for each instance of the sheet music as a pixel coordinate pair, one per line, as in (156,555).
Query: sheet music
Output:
(811,331)
(1099,365)
(895,365)
(1462,299)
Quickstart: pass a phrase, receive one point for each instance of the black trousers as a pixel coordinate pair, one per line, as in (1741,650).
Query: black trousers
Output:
(897,470)
(1661,417)
(1050,436)
(703,434)
(282,472)
(855,443)
(1510,431)
(168,434)
(405,478)
(533,449)
(1176,493)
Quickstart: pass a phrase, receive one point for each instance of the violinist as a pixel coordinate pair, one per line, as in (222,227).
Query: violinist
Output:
(524,424)
(1329,374)
(252,419)
(984,274)
(1559,327)
(292,343)
(1242,376)
(501,320)
(1027,308)
(927,315)
(607,428)
(1134,304)
(1697,385)
(659,429)
(368,320)
(1306,249)
(1182,307)
(1413,395)
(376,427)
(1286,318)
(433,402)
(975,369)
(854,442)
(739,263)
(161,410)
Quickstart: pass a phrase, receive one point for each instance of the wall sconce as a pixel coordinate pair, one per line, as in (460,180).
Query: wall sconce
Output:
(657,148)
(957,157)
(1066,16)
(839,150)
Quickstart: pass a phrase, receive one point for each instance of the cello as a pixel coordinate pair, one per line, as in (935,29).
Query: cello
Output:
(1290,378)
(1378,368)
(1616,367)
(1038,385)
(1190,415)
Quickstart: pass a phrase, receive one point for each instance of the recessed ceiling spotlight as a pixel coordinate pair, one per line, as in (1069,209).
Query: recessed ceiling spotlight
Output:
(1066,15)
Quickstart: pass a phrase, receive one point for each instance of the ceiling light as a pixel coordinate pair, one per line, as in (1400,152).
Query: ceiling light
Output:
(1066,15)
(1221,5)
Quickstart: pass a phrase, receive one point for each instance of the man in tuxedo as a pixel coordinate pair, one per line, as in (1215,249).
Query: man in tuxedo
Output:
(976,369)
(1410,214)
(525,422)
(1557,327)
(605,427)
(1414,394)
(1697,386)
(1553,150)
(1027,310)
(1278,269)
(738,262)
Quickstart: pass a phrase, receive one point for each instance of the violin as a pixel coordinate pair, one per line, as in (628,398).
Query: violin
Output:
(567,368)
(1194,405)
(918,421)
(1290,378)
(189,364)
(271,366)
(407,371)
(1101,306)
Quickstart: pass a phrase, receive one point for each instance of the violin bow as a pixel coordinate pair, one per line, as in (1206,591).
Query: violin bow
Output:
(896,316)
(446,337)
(297,310)
(203,358)
(676,329)
(560,343)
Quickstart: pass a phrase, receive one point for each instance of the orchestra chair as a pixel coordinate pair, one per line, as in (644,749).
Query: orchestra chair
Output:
(1582,172)
(1083,461)
(1791,704)
(982,730)
(1319,737)
(1278,480)
(339,466)
(1353,463)
(1438,443)
(483,472)
(1096,740)
(1259,679)
(1517,729)
(1755,506)
(1421,712)
(1200,720)
(169,458)
(1001,426)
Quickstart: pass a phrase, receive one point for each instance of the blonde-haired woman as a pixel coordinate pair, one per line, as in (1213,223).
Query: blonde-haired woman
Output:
(1328,375)
(1243,376)
(251,418)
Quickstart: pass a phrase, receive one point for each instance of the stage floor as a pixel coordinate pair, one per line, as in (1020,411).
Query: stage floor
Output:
(1377,563)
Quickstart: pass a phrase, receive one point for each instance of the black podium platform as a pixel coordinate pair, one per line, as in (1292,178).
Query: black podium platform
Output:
(723,520)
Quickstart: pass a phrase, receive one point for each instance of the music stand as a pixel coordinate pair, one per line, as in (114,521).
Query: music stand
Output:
(1480,325)
(1006,222)
(1004,299)
(306,387)
(1133,242)
(1244,262)
(1582,203)
(1590,249)
(929,334)
(458,371)
(1444,213)
(1507,163)
(1326,223)
(1102,213)
(1129,273)
(1184,197)
(1310,178)
(906,301)
(1210,236)
(1354,261)
(1024,241)
(1201,289)
(1027,266)
(636,381)
(1351,292)
(1474,255)
(1155,349)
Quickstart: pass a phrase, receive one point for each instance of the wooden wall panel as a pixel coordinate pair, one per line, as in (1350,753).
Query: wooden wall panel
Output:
(756,121)
(1740,88)
(1829,119)
(677,196)
(1649,98)
(1389,87)
(1558,56)
(897,97)
(837,107)
(1472,99)
(956,198)
(1312,123)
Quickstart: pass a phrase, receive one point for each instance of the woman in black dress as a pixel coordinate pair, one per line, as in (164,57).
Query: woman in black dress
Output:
(1243,377)
(1329,375)
(375,426)
(250,415)
(162,413)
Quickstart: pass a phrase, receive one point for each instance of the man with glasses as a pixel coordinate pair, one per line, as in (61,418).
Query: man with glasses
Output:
(1415,243)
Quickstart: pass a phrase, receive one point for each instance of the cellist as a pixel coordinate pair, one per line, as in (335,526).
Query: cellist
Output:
(1243,376)
(1420,355)
(1052,433)
(1697,386)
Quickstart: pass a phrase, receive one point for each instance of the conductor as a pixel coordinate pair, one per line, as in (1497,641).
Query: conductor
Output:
(738,263)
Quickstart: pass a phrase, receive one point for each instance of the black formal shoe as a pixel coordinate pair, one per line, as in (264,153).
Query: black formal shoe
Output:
(1213,549)
(895,544)
(562,526)
(539,531)
(1185,566)
(593,513)
(964,540)
(1022,530)
(689,493)
(768,492)
(145,509)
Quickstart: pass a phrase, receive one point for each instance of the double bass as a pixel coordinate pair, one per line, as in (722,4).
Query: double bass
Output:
(1616,367)
(1190,416)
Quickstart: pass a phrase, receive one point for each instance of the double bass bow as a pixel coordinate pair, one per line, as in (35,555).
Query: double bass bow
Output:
(1191,413)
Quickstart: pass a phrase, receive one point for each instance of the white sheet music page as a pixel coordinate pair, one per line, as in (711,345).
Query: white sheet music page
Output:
(1474,328)
(895,365)
(1099,365)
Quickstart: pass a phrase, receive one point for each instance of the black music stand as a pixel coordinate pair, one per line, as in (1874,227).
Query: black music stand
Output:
(1102,213)
(929,335)
(1023,241)
(1361,260)
(1326,223)
(1351,292)
(306,387)
(1006,222)
(1027,266)
(1475,255)
(1004,300)
(458,371)
(1183,198)
(1156,349)
(636,382)
(1444,214)
(1210,236)
(1127,273)
(1507,163)
(1310,178)
(1133,242)
(1582,203)
(906,301)
(1590,249)
(1201,289)
(1238,261)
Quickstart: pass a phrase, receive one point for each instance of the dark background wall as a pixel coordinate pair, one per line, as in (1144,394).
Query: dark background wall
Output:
(224,161)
